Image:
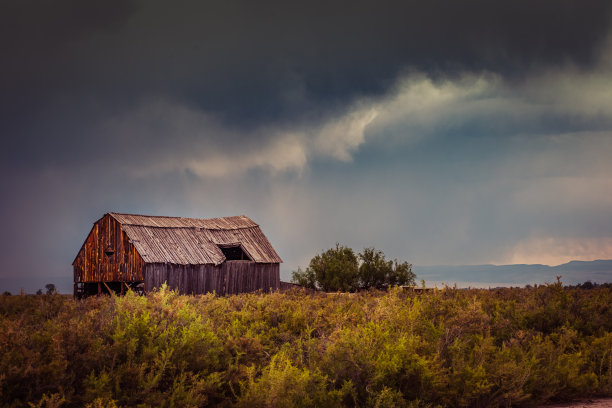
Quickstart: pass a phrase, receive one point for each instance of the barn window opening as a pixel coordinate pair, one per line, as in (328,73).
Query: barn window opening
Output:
(234,253)
(109,251)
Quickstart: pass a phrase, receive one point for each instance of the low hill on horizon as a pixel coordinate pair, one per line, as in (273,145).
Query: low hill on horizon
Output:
(573,272)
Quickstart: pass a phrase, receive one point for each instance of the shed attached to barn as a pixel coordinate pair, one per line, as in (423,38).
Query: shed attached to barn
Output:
(227,255)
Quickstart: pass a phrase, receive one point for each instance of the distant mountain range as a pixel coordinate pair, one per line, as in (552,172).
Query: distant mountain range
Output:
(571,273)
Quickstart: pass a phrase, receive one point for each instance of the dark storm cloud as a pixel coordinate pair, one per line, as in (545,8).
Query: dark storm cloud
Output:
(39,43)
(262,61)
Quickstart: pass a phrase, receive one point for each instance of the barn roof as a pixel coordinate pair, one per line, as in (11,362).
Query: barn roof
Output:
(194,241)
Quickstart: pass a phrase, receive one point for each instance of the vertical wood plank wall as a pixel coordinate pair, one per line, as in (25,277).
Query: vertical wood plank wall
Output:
(93,265)
(231,277)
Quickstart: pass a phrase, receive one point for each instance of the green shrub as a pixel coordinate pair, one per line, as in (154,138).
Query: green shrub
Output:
(335,269)
(339,269)
(377,272)
(450,347)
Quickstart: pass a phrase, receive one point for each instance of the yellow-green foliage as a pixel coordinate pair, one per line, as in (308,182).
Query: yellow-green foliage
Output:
(459,348)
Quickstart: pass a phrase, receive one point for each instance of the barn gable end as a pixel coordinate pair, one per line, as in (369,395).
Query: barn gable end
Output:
(108,255)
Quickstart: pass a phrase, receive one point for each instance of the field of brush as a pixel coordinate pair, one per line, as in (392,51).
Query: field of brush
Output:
(480,348)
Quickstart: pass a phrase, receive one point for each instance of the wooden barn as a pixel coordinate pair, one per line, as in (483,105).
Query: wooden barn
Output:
(227,255)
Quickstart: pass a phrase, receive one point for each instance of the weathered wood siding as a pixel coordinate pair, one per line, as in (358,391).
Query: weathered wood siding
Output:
(176,250)
(93,265)
(231,277)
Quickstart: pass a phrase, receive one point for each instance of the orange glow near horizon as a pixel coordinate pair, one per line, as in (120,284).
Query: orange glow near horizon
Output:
(556,251)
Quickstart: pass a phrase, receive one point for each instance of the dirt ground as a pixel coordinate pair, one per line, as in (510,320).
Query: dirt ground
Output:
(587,403)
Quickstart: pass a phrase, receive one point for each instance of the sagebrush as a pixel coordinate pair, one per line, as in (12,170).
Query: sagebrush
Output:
(504,347)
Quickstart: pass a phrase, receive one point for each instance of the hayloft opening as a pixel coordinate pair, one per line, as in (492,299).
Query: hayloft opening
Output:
(234,253)
(109,251)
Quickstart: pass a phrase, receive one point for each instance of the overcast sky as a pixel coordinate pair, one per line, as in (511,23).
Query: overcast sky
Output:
(442,132)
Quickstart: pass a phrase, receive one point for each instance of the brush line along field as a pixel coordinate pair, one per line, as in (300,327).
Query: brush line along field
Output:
(451,347)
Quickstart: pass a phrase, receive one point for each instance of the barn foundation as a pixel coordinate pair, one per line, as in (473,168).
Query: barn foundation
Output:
(86,289)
